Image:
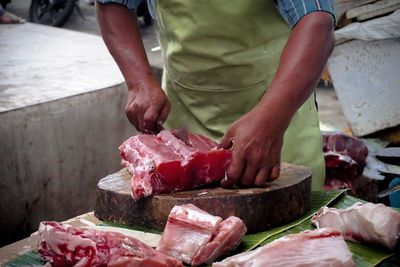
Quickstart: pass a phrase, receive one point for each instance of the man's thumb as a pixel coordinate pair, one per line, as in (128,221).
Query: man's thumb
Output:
(226,142)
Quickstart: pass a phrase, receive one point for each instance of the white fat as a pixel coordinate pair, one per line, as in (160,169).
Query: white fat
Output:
(149,239)
(195,215)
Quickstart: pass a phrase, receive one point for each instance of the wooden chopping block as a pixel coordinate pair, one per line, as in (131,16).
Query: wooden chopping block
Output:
(282,201)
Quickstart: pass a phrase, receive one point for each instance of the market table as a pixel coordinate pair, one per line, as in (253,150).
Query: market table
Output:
(23,253)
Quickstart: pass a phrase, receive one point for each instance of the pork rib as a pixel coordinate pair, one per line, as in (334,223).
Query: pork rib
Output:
(196,237)
(163,163)
(64,245)
(187,230)
(321,247)
(228,237)
(370,223)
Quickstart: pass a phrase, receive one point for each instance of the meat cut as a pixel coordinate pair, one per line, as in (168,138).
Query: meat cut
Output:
(344,159)
(164,163)
(196,237)
(321,247)
(370,223)
(187,230)
(64,245)
(227,238)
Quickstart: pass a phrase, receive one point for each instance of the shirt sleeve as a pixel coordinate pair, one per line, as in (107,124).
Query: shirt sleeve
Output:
(131,4)
(293,10)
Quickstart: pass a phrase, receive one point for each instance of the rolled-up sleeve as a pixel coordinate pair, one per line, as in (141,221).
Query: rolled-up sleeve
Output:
(131,4)
(293,10)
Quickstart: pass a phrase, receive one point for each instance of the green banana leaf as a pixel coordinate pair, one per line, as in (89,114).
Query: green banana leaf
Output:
(30,258)
(362,254)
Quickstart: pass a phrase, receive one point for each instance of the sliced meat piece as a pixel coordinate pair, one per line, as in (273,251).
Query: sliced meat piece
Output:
(188,229)
(321,247)
(196,237)
(344,159)
(207,163)
(228,237)
(164,163)
(370,223)
(145,147)
(345,145)
(64,245)
(154,166)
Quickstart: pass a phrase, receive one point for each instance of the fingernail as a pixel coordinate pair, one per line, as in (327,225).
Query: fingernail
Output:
(275,172)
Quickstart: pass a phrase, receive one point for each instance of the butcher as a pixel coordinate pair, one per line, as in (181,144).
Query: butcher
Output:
(239,71)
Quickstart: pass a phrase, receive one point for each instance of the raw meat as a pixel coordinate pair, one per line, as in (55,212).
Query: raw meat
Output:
(346,145)
(195,237)
(371,223)
(163,163)
(205,163)
(188,229)
(228,237)
(154,167)
(344,159)
(321,247)
(64,245)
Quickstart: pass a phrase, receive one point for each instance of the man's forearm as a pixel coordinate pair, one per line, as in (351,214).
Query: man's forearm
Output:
(302,61)
(120,31)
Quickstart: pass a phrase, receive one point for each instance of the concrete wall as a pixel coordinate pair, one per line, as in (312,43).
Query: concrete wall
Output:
(52,156)
(61,122)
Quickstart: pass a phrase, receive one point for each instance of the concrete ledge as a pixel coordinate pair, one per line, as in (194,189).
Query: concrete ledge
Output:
(40,64)
(61,122)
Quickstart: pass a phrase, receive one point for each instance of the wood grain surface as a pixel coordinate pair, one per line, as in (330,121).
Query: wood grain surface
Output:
(282,201)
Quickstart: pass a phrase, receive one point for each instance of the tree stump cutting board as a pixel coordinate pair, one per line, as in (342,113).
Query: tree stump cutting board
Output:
(282,201)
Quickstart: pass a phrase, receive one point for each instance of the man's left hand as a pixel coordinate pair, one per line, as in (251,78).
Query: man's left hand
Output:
(256,143)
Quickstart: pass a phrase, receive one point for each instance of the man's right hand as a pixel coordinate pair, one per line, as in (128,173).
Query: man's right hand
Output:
(147,106)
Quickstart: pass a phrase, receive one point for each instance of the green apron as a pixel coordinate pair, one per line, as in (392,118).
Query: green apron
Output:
(220,57)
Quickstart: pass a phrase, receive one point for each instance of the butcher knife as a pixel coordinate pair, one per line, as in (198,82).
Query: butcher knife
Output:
(389,191)
(183,134)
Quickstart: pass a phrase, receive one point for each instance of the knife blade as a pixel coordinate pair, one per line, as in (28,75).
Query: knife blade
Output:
(389,191)
(389,152)
(183,134)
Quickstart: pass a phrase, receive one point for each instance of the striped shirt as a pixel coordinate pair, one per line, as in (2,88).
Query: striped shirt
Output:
(291,10)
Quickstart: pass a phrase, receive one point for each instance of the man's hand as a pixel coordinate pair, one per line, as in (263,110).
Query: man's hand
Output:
(147,106)
(256,142)
(257,137)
